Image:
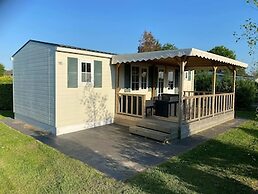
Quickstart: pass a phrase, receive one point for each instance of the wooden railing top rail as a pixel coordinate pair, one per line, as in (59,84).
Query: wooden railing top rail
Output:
(131,94)
(209,95)
(221,94)
(197,96)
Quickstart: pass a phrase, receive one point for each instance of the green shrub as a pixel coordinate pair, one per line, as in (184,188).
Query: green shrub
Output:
(6,96)
(203,81)
(6,80)
(245,93)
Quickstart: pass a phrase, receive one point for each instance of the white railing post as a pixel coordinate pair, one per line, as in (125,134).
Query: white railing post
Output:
(199,108)
(234,88)
(214,88)
(143,105)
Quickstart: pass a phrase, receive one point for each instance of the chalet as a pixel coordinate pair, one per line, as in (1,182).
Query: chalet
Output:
(64,89)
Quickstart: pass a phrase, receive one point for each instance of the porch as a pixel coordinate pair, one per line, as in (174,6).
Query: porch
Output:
(159,102)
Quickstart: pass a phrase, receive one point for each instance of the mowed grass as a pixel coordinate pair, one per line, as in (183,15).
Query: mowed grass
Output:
(227,164)
(29,166)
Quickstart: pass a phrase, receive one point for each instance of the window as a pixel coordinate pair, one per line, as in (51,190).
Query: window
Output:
(135,78)
(86,72)
(160,81)
(170,80)
(189,75)
(186,74)
(144,78)
(139,77)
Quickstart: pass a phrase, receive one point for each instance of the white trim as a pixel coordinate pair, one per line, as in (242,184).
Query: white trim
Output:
(80,83)
(192,52)
(83,126)
(164,74)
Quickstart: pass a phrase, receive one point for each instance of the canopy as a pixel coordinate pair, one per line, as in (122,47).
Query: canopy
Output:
(195,58)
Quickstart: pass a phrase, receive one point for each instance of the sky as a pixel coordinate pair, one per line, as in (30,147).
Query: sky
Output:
(116,26)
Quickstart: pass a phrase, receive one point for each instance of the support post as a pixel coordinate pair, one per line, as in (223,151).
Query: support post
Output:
(214,88)
(234,89)
(117,88)
(153,81)
(181,97)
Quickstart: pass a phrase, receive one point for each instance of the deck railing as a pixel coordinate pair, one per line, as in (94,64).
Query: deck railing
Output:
(193,93)
(131,104)
(201,106)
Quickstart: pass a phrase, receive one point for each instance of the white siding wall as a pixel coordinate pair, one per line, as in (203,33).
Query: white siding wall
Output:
(83,107)
(34,84)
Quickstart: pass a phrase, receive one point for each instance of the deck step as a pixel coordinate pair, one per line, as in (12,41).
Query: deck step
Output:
(126,121)
(165,127)
(152,134)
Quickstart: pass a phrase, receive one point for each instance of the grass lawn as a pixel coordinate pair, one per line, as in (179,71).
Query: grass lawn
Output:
(28,166)
(227,164)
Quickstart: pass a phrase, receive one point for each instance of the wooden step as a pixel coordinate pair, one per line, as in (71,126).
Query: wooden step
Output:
(126,120)
(152,134)
(165,127)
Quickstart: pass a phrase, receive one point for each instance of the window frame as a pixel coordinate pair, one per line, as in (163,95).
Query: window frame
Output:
(91,73)
(173,79)
(140,78)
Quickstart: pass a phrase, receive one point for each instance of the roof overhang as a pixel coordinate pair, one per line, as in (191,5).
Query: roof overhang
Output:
(195,58)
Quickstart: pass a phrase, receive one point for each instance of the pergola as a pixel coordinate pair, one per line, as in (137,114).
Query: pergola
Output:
(188,59)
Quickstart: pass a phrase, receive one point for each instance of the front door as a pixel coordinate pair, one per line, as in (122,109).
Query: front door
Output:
(160,88)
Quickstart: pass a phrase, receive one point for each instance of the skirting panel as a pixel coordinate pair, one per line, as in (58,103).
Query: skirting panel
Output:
(36,123)
(79,127)
(189,129)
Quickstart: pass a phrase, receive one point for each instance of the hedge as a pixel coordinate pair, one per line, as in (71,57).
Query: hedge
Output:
(6,80)
(6,96)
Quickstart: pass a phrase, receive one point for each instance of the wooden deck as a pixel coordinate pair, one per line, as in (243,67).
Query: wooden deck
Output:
(157,128)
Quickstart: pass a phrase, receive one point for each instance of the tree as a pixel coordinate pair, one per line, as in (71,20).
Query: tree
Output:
(168,46)
(245,93)
(249,30)
(2,70)
(223,51)
(224,84)
(249,33)
(148,43)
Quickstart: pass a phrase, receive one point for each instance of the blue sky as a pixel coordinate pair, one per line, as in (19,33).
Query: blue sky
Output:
(116,26)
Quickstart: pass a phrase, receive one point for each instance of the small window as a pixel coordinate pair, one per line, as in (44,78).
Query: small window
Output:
(189,75)
(144,78)
(85,72)
(170,80)
(135,78)
(186,75)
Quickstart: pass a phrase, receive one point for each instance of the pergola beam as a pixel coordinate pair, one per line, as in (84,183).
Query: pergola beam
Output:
(117,87)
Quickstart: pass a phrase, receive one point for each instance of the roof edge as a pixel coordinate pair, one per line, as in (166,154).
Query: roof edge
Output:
(62,45)
(190,52)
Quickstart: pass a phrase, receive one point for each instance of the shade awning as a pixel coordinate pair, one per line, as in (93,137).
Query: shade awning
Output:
(196,54)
